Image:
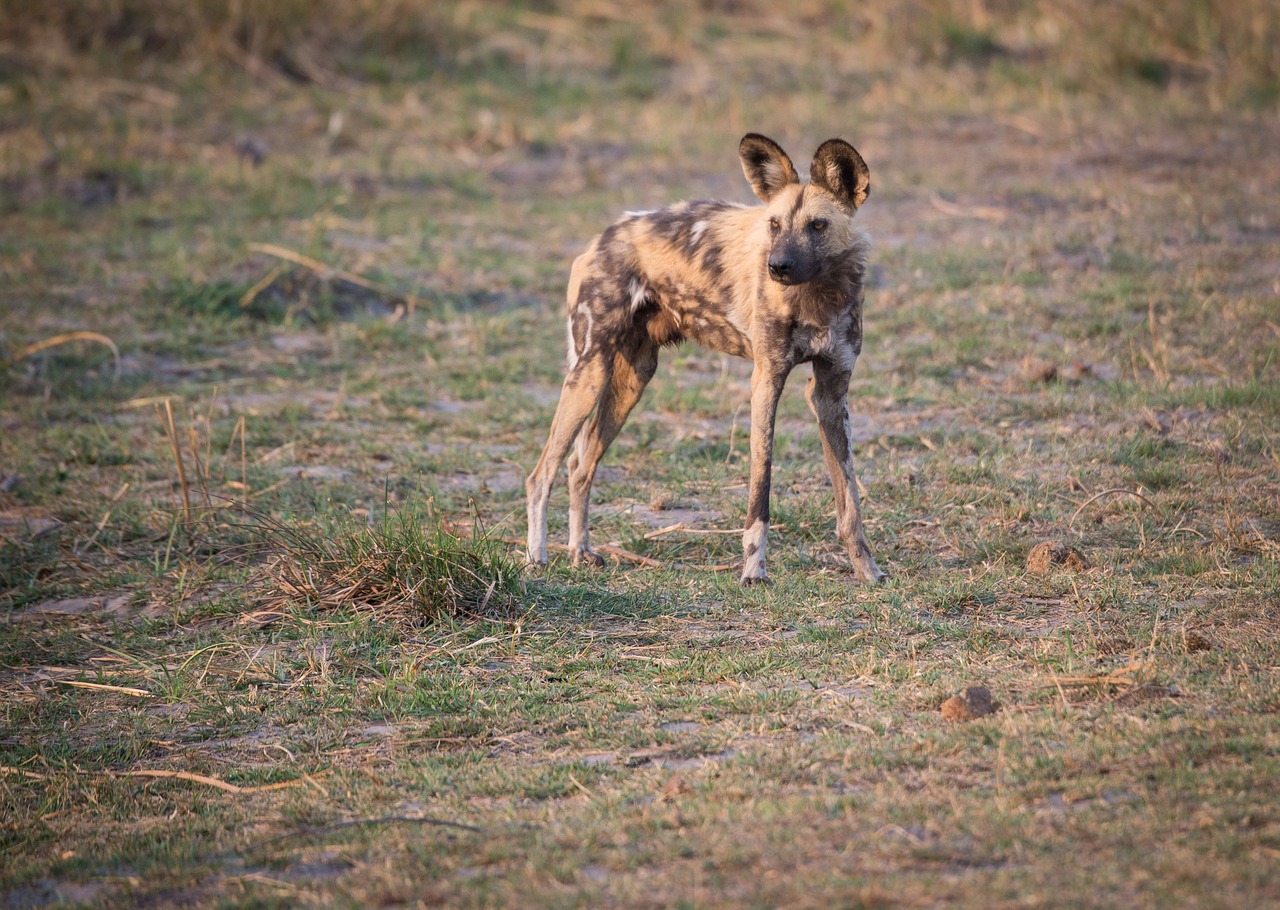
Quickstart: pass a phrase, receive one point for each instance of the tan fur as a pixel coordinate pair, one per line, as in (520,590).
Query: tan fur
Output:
(778,284)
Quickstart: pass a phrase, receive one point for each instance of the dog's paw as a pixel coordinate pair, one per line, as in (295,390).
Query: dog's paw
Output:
(586,556)
(867,572)
(750,581)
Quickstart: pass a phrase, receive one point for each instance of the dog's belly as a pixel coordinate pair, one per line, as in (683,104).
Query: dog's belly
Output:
(672,317)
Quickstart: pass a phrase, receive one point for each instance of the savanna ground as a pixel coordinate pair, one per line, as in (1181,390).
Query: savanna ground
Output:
(265,642)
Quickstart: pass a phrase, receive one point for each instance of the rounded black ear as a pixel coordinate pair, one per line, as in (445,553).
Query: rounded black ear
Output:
(766,165)
(839,169)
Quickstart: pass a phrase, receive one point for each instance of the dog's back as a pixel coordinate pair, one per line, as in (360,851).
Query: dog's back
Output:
(699,271)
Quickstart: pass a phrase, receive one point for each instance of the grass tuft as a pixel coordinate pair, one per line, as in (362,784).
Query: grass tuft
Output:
(410,566)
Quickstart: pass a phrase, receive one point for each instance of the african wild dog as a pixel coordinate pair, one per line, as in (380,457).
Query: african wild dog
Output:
(779,284)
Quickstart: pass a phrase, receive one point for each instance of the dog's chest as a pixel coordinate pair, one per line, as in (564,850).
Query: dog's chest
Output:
(836,340)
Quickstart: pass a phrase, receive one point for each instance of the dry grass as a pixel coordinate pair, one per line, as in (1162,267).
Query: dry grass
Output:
(252,653)
(407,567)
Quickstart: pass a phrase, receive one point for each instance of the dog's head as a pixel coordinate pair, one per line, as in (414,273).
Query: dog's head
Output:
(808,223)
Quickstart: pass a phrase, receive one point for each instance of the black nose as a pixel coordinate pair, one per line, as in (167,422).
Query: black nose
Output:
(780,268)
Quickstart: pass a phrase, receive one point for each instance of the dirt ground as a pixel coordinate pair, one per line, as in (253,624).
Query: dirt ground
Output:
(282,328)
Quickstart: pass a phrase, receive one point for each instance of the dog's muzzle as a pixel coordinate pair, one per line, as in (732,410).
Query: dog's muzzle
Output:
(782,270)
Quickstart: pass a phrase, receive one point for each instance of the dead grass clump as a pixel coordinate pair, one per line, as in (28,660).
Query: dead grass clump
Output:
(1047,556)
(409,567)
(972,703)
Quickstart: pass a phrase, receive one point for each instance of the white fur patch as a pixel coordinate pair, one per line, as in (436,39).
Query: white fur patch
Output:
(753,564)
(639,214)
(695,233)
(586,336)
(573,354)
(638,291)
(775,174)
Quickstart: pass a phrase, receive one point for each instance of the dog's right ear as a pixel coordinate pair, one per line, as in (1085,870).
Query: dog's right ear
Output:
(766,165)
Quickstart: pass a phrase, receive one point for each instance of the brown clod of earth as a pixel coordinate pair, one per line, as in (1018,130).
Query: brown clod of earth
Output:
(1048,555)
(1036,369)
(972,703)
(1195,640)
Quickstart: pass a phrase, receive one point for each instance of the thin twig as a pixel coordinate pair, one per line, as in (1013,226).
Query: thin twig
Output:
(177,457)
(206,780)
(322,269)
(1120,679)
(250,295)
(127,690)
(23,772)
(1111,492)
(67,337)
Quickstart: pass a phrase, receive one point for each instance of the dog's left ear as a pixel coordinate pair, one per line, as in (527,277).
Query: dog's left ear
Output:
(839,169)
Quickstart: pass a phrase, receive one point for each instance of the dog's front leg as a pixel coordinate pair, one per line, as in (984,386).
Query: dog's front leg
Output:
(828,395)
(767,381)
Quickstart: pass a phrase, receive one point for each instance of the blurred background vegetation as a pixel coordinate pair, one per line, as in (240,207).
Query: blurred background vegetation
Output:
(1226,52)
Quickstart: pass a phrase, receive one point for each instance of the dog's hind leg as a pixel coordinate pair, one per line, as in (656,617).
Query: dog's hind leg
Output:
(828,394)
(583,387)
(633,366)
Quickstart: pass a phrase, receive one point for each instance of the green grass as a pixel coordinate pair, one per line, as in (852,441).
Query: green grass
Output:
(312,576)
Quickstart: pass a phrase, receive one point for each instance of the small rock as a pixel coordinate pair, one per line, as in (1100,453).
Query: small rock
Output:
(674,787)
(1077,371)
(251,150)
(1037,370)
(1045,557)
(972,703)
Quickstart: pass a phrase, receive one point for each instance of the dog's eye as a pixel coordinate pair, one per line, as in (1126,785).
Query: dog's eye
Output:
(818,225)
(775,225)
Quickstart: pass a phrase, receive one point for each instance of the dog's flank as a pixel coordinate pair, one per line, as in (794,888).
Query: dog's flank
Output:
(779,284)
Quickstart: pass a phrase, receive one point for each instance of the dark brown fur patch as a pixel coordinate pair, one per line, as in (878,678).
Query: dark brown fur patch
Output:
(664,328)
